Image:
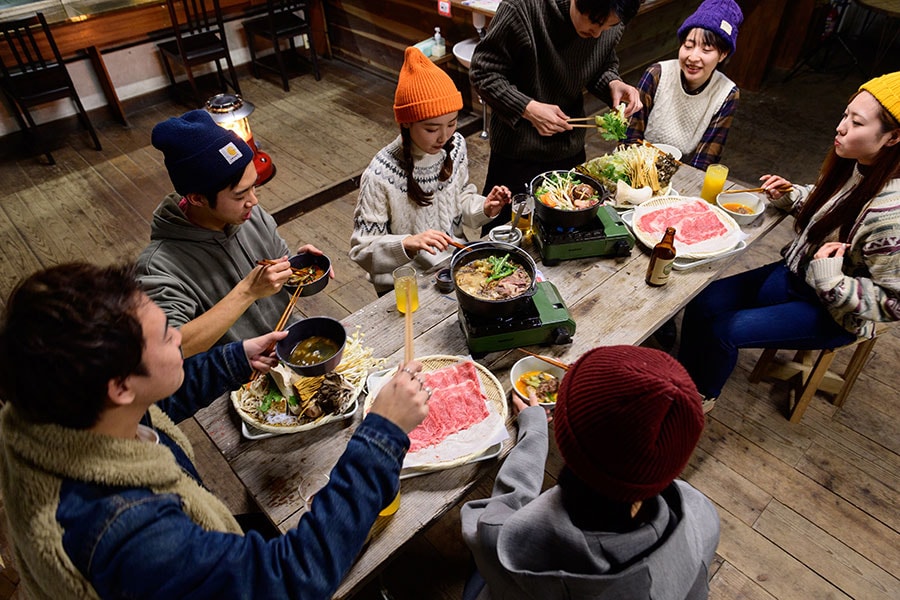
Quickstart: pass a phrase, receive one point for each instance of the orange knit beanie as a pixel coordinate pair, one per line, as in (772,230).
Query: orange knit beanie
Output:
(424,91)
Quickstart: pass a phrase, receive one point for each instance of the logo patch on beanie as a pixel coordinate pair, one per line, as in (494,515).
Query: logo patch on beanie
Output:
(230,152)
(725,26)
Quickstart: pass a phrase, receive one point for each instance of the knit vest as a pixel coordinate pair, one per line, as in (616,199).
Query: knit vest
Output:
(679,118)
(36,458)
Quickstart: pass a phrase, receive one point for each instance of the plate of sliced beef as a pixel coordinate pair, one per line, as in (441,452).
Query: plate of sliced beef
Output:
(702,230)
(466,417)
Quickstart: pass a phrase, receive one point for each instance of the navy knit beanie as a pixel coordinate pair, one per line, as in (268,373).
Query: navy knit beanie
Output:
(722,17)
(626,421)
(200,155)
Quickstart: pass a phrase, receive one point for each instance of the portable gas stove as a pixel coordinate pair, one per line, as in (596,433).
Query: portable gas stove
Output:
(607,235)
(543,320)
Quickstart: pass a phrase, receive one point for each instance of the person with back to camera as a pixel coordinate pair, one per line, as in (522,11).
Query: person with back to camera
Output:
(99,484)
(532,67)
(206,238)
(415,195)
(838,277)
(617,524)
(687,102)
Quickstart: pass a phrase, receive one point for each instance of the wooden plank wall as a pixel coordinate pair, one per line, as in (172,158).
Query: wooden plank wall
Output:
(374,33)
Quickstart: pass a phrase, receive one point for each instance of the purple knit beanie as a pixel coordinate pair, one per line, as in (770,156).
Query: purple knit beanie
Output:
(722,17)
(200,156)
(627,419)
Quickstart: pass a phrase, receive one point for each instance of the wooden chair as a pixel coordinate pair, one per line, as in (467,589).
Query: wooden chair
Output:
(199,40)
(33,73)
(281,22)
(808,373)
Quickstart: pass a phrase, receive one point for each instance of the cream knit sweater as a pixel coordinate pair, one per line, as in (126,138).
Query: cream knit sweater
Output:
(385,215)
(679,118)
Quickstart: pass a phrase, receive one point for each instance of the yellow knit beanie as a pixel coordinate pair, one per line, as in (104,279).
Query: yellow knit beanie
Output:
(886,90)
(424,91)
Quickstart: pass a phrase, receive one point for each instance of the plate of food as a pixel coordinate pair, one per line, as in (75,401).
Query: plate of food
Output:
(632,174)
(466,419)
(702,230)
(284,402)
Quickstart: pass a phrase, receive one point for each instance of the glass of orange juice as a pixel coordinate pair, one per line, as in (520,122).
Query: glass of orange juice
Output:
(406,289)
(392,506)
(713,182)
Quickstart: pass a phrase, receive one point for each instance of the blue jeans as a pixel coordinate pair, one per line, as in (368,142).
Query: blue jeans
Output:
(767,307)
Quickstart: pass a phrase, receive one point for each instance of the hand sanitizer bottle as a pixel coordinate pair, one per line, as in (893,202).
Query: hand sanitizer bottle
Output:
(439,48)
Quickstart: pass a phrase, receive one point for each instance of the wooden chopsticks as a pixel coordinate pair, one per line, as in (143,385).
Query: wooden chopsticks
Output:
(784,189)
(583,125)
(408,352)
(268,261)
(577,119)
(547,359)
(456,244)
(281,323)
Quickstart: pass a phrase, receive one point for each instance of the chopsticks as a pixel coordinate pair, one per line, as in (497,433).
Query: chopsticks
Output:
(583,125)
(456,244)
(408,352)
(547,359)
(281,323)
(268,261)
(577,119)
(784,189)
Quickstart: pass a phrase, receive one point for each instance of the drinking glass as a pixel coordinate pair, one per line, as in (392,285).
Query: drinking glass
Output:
(310,486)
(406,289)
(525,221)
(713,182)
(392,507)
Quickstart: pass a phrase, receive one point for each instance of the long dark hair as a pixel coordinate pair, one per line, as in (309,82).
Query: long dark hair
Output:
(835,172)
(414,189)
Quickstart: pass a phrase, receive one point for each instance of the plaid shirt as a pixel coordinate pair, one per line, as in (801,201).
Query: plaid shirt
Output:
(709,150)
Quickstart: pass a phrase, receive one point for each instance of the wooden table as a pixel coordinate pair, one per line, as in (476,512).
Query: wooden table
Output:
(610,303)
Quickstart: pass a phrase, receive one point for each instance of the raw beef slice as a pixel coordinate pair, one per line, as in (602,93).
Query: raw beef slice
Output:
(456,404)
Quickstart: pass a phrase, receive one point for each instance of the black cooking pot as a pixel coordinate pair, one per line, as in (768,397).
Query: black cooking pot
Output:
(555,217)
(481,306)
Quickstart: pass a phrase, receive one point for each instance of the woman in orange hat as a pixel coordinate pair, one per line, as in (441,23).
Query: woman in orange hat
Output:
(841,273)
(415,196)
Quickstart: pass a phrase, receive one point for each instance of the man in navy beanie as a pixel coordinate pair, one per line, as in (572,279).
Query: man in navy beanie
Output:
(618,524)
(206,238)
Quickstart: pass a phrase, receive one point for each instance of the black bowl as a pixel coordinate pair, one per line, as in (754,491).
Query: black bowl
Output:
(299,261)
(556,217)
(322,326)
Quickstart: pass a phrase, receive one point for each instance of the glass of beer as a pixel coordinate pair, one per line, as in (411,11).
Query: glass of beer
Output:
(406,289)
(525,221)
(713,182)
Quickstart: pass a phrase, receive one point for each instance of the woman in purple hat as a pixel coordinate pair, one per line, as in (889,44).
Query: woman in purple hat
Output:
(688,102)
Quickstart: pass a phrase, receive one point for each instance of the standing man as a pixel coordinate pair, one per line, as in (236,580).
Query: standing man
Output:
(99,485)
(532,68)
(201,264)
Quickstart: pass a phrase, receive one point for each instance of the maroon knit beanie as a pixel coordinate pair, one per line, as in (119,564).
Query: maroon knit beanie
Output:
(627,419)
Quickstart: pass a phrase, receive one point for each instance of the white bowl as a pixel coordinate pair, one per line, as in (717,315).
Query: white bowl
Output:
(530,363)
(463,51)
(668,149)
(506,234)
(752,201)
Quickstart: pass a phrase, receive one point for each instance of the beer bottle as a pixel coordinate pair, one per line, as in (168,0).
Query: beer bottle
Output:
(661,259)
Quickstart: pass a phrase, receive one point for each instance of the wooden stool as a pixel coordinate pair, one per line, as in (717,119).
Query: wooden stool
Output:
(809,373)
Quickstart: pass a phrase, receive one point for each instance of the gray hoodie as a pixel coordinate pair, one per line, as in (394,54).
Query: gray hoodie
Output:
(526,546)
(187,269)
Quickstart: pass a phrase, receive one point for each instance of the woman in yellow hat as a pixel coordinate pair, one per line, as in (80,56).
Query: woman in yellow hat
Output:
(839,276)
(415,196)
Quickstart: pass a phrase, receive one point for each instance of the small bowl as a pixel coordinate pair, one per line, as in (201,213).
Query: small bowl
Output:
(444,281)
(506,234)
(531,363)
(752,201)
(299,261)
(669,149)
(305,328)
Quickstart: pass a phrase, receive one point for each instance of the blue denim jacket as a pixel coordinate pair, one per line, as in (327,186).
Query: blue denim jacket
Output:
(133,543)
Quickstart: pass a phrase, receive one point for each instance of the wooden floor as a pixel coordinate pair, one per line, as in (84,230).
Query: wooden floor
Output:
(807,511)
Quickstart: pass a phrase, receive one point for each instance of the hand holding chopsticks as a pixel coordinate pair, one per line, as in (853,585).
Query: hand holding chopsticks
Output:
(281,323)
(784,189)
